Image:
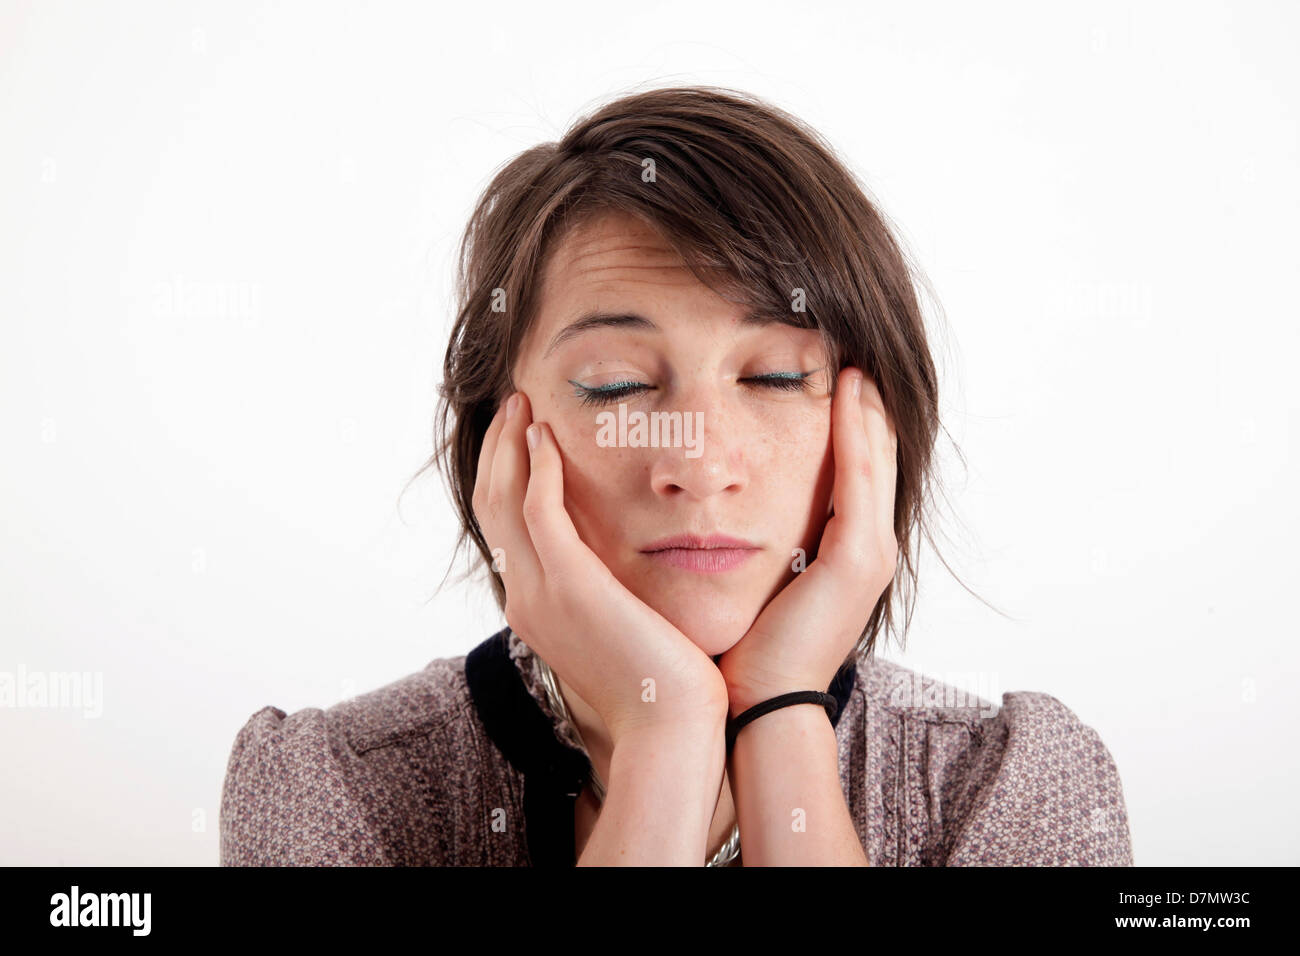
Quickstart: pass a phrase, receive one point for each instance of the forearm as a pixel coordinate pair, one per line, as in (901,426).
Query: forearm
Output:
(784,770)
(662,791)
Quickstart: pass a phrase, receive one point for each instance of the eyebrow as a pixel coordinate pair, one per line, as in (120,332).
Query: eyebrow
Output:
(631,321)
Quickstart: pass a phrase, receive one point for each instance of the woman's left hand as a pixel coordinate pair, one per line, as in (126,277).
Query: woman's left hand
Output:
(805,633)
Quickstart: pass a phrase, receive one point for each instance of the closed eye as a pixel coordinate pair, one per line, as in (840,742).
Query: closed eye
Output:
(608,394)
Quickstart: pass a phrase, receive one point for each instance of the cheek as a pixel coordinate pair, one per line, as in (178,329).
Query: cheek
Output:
(799,478)
(796,452)
(597,481)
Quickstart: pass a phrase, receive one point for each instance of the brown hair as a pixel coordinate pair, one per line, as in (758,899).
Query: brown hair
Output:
(742,190)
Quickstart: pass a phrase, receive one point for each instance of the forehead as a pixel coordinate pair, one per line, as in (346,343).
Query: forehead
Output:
(616,271)
(613,261)
(614,250)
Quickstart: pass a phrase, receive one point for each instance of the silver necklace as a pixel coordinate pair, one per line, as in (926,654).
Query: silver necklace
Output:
(730,847)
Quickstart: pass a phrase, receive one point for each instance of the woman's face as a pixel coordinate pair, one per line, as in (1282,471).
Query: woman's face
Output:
(758,467)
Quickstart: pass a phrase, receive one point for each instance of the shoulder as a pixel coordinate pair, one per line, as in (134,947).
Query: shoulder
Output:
(1023,783)
(1050,791)
(308,788)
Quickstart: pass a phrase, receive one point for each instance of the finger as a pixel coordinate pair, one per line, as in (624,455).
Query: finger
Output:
(506,487)
(559,548)
(483,473)
(853,466)
(882,443)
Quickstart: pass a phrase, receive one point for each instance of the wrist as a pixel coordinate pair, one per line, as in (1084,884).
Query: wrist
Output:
(702,723)
(783,704)
(741,696)
(801,716)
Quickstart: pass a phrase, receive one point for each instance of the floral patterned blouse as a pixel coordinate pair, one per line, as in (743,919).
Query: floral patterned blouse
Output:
(464,763)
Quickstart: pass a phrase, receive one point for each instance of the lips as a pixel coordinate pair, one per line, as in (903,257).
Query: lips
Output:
(698,542)
(707,554)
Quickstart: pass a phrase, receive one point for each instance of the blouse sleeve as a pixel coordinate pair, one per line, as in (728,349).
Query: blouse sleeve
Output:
(285,802)
(1047,792)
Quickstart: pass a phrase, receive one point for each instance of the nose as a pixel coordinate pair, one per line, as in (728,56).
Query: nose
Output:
(709,459)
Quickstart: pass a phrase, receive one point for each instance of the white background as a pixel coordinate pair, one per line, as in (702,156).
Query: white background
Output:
(226,239)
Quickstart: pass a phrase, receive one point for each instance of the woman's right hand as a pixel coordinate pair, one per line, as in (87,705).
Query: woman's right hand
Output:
(564,602)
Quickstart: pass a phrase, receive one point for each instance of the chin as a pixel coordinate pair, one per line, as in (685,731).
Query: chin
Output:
(714,630)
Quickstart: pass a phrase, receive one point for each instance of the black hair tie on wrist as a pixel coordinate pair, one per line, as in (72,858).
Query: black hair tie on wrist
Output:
(776,703)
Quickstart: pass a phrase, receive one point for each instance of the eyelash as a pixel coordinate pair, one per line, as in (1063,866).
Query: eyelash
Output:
(608,394)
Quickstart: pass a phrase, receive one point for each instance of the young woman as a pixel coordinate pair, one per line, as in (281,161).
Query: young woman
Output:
(687,420)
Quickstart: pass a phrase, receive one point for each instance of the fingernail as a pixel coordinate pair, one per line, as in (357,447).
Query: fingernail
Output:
(857,384)
(512,405)
(531,433)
